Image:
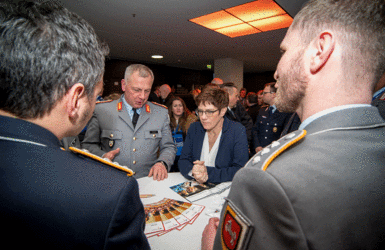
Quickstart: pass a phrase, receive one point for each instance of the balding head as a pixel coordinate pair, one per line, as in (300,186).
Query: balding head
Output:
(217,81)
(164,90)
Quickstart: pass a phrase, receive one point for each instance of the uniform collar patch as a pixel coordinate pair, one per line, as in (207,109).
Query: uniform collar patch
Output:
(120,106)
(148,109)
(235,229)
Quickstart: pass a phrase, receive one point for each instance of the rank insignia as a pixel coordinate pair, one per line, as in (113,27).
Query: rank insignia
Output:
(148,109)
(275,129)
(120,106)
(235,229)
(111,143)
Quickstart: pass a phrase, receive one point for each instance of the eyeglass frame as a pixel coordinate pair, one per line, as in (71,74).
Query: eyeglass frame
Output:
(267,92)
(208,113)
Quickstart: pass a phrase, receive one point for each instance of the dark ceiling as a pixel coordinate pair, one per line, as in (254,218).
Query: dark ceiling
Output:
(137,29)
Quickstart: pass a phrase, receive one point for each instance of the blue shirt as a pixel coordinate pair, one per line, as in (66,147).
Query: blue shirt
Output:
(129,108)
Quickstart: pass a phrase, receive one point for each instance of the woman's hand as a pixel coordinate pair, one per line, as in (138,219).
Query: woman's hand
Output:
(199,171)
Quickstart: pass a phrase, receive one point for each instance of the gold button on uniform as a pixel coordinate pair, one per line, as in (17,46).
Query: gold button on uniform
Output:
(134,162)
(154,135)
(111,135)
(134,150)
(134,138)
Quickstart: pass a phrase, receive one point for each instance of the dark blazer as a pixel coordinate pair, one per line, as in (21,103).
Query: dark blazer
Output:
(269,128)
(55,199)
(239,114)
(232,152)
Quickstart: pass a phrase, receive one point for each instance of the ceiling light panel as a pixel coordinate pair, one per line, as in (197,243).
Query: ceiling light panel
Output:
(246,19)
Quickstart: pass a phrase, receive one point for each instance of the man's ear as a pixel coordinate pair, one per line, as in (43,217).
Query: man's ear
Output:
(322,48)
(73,96)
(223,111)
(123,82)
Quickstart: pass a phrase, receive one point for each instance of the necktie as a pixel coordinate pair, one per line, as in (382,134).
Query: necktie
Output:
(135,117)
(270,111)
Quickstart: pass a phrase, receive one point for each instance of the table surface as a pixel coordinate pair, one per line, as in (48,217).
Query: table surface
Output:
(190,236)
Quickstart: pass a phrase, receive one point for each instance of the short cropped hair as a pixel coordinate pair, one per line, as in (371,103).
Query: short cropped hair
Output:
(252,97)
(215,96)
(360,25)
(229,86)
(272,86)
(45,50)
(143,70)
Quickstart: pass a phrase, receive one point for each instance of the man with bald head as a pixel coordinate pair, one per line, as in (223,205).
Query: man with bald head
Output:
(165,94)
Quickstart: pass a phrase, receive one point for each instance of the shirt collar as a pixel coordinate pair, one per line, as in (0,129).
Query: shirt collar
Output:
(128,106)
(328,111)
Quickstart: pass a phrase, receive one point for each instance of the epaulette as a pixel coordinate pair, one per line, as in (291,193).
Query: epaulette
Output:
(86,153)
(159,105)
(270,152)
(98,102)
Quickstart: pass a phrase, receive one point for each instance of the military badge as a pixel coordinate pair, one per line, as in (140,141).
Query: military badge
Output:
(111,143)
(148,109)
(275,129)
(120,106)
(235,229)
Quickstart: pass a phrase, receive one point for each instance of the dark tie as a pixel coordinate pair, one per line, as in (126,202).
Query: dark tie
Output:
(135,117)
(270,111)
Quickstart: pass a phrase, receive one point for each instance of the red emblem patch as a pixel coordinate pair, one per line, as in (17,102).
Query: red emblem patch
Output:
(120,106)
(235,228)
(231,230)
(148,110)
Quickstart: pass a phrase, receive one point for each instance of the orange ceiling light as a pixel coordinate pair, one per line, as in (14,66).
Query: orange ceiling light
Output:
(246,19)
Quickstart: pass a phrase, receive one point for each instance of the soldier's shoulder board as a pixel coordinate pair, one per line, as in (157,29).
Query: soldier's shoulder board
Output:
(116,165)
(161,105)
(264,157)
(107,101)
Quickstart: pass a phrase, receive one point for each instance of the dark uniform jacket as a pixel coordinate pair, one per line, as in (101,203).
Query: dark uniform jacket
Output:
(239,114)
(268,128)
(322,190)
(55,199)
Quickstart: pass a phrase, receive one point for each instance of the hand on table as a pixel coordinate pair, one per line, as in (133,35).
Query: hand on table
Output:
(199,171)
(158,171)
(209,233)
(111,154)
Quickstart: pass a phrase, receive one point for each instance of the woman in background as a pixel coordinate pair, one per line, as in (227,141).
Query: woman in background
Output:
(215,147)
(180,121)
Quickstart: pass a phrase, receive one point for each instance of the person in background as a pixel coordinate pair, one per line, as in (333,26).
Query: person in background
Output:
(260,99)
(165,94)
(52,198)
(321,187)
(215,147)
(180,121)
(378,99)
(242,97)
(270,121)
(217,81)
(252,105)
(236,112)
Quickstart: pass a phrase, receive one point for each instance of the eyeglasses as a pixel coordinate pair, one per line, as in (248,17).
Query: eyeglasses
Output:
(208,113)
(264,93)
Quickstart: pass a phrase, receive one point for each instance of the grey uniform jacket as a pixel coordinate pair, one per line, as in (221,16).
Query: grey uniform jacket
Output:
(326,191)
(110,128)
